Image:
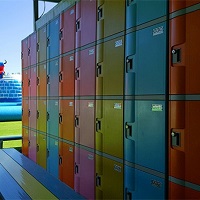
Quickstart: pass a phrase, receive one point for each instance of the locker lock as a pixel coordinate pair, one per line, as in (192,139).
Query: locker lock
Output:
(176,56)
(100,13)
(60,118)
(128,130)
(176,138)
(98,180)
(60,76)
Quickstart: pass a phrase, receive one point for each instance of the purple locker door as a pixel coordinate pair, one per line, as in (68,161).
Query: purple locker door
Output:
(87,121)
(24,53)
(33,82)
(87,72)
(87,174)
(32,146)
(77,169)
(33,48)
(67,30)
(78,25)
(33,113)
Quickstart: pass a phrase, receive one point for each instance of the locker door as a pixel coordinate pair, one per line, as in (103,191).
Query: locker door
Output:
(52,156)
(53,30)
(53,78)
(41,150)
(33,82)
(32,145)
(110,18)
(25,82)
(66,76)
(25,141)
(107,187)
(85,171)
(33,48)
(42,80)
(67,30)
(33,114)
(41,116)
(66,120)
(25,112)
(52,117)
(66,163)
(42,44)
(24,53)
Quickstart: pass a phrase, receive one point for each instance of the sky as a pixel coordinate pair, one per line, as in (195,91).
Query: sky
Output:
(16,23)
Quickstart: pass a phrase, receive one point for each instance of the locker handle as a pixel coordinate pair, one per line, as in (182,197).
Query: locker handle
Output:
(77,74)
(176,56)
(22,55)
(29,51)
(29,82)
(38,114)
(76,121)
(29,143)
(60,118)
(47,153)
(129,64)
(128,195)
(99,70)
(98,180)
(48,78)
(176,139)
(61,34)
(29,113)
(48,116)
(38,80)
(76,168)
(60,76)
(129,2)
(128,130)
(77,25)
(98,125)
(100,13)
(60,160)
(38,46)
(38,148)
(48,41)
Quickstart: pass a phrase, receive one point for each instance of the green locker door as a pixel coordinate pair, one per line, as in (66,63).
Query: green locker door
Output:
(41,150)
(41,116)
(42,80)
(109,178)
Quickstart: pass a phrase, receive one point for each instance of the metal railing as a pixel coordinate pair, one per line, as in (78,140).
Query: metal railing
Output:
(8,138)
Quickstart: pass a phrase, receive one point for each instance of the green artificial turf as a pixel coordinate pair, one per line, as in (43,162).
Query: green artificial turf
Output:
(11,128)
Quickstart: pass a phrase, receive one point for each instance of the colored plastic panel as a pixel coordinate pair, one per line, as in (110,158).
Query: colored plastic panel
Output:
(109,127)
(33,82)
(25,82)
(53,30)
(42,80)
(107,187)
(85,22)
(52,156)
(25,112)
(66,120)
(84,124)
(110,18)
(24,53)
(145,120)
(33,114)
(25,141)
(41,115)
(52,117)
(84,182)
(66,76)
(32,145)
(42,44)
(110,79)
(33,48)
(139,12)
(53,78)
(142,185)
(66,163)
(42,150)
(85,73)
(67,30)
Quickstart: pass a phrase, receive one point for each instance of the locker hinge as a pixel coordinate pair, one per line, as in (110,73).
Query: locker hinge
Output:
(100,13)
(176,139)
(98,125)
(128,130)
(60,160)
(76,168)
(98,180)
(99,70)
(60,118)
(60,76)
(176,56)
(78,25)
(76,121)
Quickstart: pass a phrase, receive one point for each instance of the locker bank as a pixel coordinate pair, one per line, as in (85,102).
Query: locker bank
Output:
(111,97)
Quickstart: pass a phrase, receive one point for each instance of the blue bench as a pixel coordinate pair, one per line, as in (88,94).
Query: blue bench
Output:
(21,178)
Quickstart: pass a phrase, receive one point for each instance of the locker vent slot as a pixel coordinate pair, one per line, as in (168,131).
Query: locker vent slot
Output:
(176,56)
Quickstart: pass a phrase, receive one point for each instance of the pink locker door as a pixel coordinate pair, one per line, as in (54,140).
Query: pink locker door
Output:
(33,48)
(32,145)
(24,53)
(33,113)
(33,82)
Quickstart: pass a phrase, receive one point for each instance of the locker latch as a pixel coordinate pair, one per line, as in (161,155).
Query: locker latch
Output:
(77,74)
(98,180)
(38,114)
(76,168)
(60,76)
(98,125)
(60,118)
(176,139)
(48,41)
(76,121)
(100,13)
(129,64)
(128,195)
(61,34)
(29,143)
(128,129)
(48,79)
(99,70)
(77,25)
(38,80)
(29,82)
(38,46)
(129,2)
(29,51)
(22,55)
(47,116)
(176,56)
(60,160)
(38,148)
(47,153)
(29,113)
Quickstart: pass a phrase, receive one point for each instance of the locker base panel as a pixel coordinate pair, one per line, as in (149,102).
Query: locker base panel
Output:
(27,180)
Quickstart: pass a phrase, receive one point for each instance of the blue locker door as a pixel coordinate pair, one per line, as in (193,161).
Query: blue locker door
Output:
(53,30)
(53,78)
(142,185)
(52,156)
(53,117)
